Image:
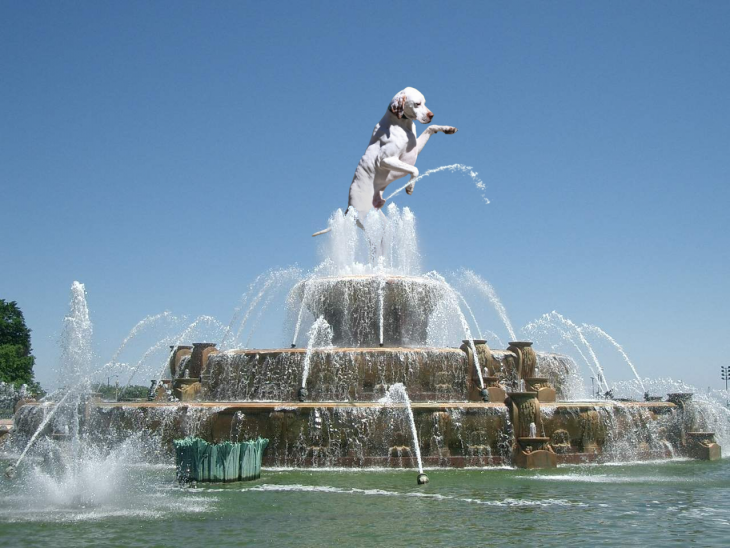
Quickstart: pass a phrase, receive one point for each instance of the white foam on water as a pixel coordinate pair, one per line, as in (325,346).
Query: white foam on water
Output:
(379,469)
(98,489)
(145,507)
(646,462)
(606,478)
(507,502)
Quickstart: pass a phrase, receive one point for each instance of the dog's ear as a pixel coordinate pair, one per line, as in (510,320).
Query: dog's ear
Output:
(398,103)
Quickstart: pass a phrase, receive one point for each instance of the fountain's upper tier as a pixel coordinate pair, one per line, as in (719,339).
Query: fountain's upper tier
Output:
(372,310)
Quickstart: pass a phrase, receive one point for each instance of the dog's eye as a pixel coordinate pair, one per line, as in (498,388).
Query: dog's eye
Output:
(416,104)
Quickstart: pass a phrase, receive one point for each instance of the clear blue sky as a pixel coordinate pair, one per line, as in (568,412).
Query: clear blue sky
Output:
(165,153)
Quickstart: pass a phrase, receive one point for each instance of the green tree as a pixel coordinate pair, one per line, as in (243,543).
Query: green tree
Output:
(16,360)
(133,392)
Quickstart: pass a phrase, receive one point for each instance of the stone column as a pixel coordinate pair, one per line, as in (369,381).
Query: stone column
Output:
(702,446)
(524,410)
(177,353)
(688,435)
(199,358)
(545,392)
(492,391)
(592,431)
(524,364)
(529,450)
(526,359)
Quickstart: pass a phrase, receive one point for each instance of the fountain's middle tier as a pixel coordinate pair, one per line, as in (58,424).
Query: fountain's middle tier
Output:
(364,374)
(337,374)
(373,310)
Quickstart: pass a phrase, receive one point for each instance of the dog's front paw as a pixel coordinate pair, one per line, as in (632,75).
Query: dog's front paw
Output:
(410,189)
(449,130)
(378,202)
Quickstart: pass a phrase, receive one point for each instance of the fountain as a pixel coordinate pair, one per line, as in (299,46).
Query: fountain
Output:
(382,336)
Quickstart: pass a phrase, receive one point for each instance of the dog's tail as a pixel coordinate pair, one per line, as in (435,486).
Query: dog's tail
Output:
(325,231)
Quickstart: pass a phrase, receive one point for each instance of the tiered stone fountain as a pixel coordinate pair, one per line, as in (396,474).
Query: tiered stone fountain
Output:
(472,405)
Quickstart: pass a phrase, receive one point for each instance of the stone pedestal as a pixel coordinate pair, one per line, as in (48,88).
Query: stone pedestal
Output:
(529,450)
(159,390)
(524,409)
(680,399)
(545,392)
(592,432)
(533,453)
(495,391)
(685,419)
(186,389)
(560,441)
(525,357)
(177,353)
(702,446)
(487,365)
(199,358)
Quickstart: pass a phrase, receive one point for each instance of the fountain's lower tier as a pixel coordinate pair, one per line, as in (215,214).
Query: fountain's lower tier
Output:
(471,406)
(451,434)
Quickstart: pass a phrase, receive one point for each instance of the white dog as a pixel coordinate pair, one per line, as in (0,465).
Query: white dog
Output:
(392,151)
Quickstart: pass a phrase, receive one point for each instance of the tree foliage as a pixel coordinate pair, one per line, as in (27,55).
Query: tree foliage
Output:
(16,360)
(114,392)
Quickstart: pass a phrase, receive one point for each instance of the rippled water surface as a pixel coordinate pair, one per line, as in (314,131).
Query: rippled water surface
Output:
(655,504)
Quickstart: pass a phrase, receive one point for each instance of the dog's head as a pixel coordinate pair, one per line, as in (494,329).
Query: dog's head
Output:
(411,104)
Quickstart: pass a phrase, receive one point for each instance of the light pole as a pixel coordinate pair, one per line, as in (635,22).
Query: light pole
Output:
(593,388)
(725,375)
(116,385)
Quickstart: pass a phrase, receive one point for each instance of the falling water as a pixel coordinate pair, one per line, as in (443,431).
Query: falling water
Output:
(159,345)
(76,360)
(381,301)
(404,255)
(481,187)
(275,279)
(493,337)
(306,294)
(76,350)
(473,317)
(485,288)
(143,324)
(377,231)
(320,336)
(397,394)
(137,329)
(297,327)
(453,296)
(41,426)
(285,275)
(185,336)
(237,311)
(340,249)
(585,358)
(556,320)
(601,333)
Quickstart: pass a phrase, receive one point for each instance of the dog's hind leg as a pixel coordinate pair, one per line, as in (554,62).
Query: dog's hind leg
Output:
(352,211)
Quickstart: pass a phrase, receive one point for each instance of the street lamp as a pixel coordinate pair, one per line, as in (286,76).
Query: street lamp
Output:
(116,385)
(725,375)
